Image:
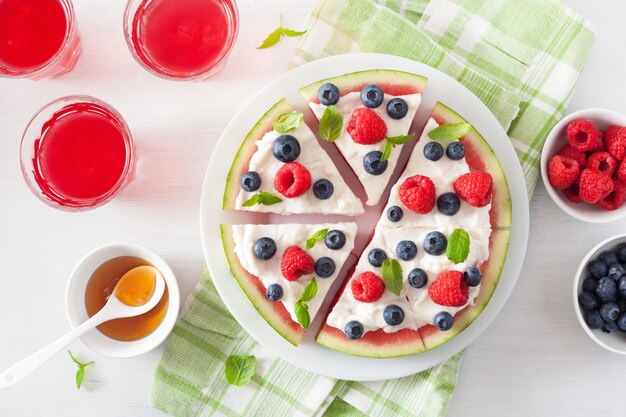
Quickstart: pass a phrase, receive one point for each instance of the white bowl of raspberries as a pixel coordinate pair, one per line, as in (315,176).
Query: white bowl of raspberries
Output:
(583,165)
(600,294)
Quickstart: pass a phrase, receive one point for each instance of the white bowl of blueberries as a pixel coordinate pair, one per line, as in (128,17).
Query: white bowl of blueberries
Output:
(600,294)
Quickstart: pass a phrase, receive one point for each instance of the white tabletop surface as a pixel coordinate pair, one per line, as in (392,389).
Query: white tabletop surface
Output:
(533,361)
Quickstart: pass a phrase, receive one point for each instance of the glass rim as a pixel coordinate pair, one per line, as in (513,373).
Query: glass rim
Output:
(84,204)
(172,76)
(67,42)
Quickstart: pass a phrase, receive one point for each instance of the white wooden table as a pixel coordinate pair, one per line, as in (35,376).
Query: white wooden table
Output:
(533,361)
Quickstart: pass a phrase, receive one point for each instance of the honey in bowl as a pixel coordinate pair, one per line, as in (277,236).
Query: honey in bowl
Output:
(100,287)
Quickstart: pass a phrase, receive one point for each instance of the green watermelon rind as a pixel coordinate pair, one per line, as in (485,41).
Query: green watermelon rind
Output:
(501,206)
(287,328)
(247,149)
(407,82)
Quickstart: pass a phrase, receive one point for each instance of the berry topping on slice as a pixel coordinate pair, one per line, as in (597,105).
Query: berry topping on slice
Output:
(475,188)
(583,135)
(324,267)
(406,250)
(417,193)
(354,330)
(433,151)
(335,239)
(376,257)
(328,94)
(397,108)
(594,185)
(250,181)
(323,189)
(274,292)
(568,152)
(295,263)
(455,151)
(616,198)
(393,315)
(373,163)
(418,278)
(448,204)
(472,276)
(449,290)
(563,172)
(394,214)
(435,243)
(366,127)
(443,321)
(372,96)
(367,287)
(292,180)
(615,138)
(603,162)
(264,248)
(286,148)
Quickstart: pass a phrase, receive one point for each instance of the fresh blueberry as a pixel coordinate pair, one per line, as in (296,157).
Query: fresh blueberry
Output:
(622,305)
(621,322)
(286,148)
(472,276)
(376,257)
(323,189)
(393,315)
(264,248)
(397,108)
(609,327)
(324,267)
(455,151)
(597,269)
(588,301)
(353,330)
(621,287)
(406,250)
(589,285)
(606,289)
(394,214)
(448,204)
(443,321)
(593,319)
(621,252)
(250,181)
(616,271)
(435,243)
(373,164)
(608,258)
(328,94)
(335,239)
(433,151)
(609,311)
(418,278)
(274,292)
(372,96)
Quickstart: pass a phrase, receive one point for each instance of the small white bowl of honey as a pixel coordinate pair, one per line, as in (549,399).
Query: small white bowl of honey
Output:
(93,281)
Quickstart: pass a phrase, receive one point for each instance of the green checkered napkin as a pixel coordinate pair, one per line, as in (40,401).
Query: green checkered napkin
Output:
(523,59)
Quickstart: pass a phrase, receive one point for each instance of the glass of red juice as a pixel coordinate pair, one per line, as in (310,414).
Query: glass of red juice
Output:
(77,153)
(38,38)
(181,39)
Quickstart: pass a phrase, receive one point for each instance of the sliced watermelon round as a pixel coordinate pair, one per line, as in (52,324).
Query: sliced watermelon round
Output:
(396,83)
(480,157)
(274,313)
(247,149)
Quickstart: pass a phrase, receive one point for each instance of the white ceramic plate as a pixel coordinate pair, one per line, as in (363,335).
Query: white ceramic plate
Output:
(309,355)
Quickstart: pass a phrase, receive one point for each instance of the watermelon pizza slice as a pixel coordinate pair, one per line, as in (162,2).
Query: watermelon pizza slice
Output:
(286,270)
(368,116)
(281,168)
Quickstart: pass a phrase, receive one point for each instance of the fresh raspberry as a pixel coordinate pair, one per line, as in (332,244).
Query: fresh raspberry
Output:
(295,263)
(449,289)
(583,135)
(594,185)
(563,172)
(616,198)
(573,193)
(292,180)
(366,127)
(621,172)
(367,287)
(475,188)
(603,162)
(568,152)
(418,194)
(615,138)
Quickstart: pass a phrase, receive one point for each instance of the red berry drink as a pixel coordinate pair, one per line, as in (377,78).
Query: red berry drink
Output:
(181,39)
(77,153)
(38,38)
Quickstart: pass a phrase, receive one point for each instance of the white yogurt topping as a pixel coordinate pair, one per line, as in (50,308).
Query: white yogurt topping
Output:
(286,235)
(353,152)
(319,164)
(443,173)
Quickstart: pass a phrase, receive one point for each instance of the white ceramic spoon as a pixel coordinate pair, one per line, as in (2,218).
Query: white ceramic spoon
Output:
(113,309)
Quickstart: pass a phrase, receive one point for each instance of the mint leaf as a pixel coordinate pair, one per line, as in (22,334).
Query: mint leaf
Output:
(265,198)
(239,369)
(458,246)
(392,142)
(273,38)
(392,275)
(309,292)
(293,33)
(288,122)
(449,132)
(302,314)
(80,373)
(331,124)
(317,237)
(387,152)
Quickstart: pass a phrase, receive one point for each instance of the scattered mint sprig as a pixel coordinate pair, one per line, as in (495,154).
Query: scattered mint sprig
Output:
(80,373)
(449,132)
(317,237)
(392,275)
(331,124)
(265,198)
(239,369)
(458,246)
(302,309)
(273,38)
(288,122)
(392,142)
